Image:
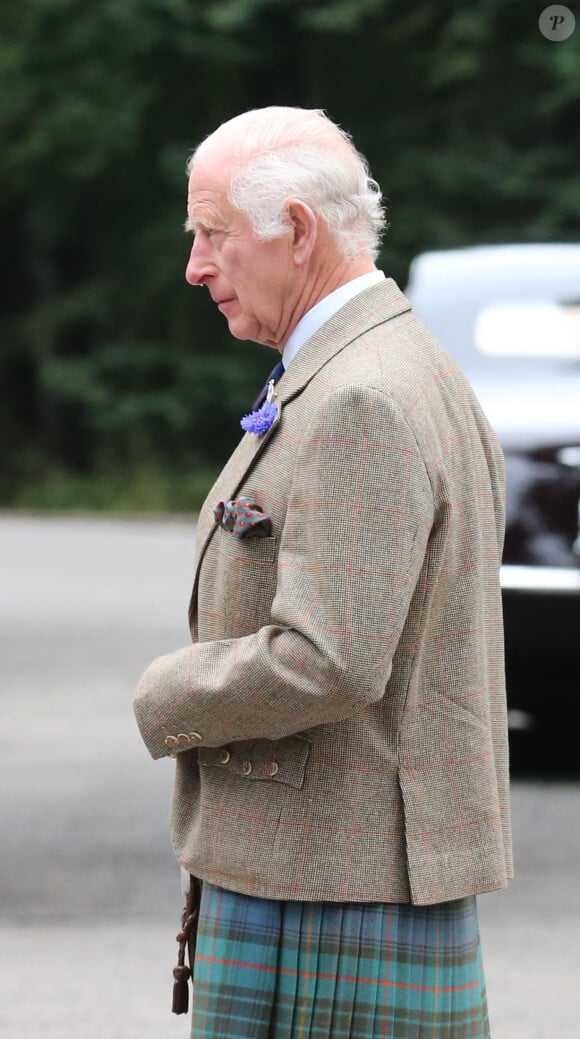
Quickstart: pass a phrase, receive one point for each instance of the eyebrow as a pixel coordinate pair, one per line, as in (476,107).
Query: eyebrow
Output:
(206,225)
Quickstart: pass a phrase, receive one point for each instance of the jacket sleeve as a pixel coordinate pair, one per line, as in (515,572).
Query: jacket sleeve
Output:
(358,521)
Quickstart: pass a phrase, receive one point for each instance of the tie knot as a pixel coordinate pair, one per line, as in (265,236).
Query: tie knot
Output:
(276,373)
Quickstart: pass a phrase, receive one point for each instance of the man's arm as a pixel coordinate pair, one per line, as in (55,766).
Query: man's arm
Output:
(358,522)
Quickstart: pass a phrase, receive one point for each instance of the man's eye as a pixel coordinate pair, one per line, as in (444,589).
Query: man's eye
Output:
(206,232)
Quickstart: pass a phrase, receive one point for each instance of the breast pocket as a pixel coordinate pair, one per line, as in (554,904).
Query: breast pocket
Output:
(237,585)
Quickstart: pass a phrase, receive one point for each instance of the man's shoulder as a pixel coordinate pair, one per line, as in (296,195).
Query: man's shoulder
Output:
(400,359)
(391,350)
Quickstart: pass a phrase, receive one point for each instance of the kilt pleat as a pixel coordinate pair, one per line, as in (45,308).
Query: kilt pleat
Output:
(324,970)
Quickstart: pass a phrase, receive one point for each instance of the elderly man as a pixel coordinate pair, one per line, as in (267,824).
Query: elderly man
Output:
(339,720)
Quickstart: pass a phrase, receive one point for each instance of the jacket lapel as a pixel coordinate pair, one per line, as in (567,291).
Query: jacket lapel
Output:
(225,488)
(230,479)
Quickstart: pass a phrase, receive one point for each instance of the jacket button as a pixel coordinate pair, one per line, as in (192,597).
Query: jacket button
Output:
(272,768)
(224,756)
(170,742)
(247,768)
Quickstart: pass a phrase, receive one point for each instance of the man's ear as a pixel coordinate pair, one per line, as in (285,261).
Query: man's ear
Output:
(304,224)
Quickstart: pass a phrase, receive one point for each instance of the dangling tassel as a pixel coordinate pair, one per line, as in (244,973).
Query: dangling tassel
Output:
(180,1003)
(186,938)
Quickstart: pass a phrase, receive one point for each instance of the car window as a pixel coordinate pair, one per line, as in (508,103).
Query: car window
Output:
(520,338)
(545,329)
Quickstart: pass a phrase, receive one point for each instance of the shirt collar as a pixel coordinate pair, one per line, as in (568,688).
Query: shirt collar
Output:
(325,309)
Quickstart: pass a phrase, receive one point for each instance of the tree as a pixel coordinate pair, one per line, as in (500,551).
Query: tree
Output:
(109,362)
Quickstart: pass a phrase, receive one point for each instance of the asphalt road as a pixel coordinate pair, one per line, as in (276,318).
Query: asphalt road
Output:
(89,890)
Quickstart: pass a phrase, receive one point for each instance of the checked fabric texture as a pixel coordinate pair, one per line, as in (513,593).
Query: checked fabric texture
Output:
(304,970)
(345,682)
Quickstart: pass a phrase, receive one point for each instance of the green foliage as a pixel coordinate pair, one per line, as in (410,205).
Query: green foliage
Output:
(117,491)
(109,362)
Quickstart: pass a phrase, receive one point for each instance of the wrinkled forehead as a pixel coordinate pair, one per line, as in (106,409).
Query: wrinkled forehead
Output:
(208,199)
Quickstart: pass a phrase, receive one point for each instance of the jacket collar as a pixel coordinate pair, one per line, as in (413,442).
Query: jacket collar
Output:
(371,307)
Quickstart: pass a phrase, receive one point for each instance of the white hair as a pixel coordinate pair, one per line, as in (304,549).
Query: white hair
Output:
(294,153)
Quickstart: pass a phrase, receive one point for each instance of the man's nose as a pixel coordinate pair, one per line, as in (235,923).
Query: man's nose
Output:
(199,266)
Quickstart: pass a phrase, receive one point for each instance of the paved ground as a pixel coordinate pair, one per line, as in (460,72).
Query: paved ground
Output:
(89,893)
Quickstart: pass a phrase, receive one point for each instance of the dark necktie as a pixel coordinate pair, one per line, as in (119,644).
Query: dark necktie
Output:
(276,373)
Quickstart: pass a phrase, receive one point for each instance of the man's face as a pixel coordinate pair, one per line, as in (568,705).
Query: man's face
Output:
(251,281)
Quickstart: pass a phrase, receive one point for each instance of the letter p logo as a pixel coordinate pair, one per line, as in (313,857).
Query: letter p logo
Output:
(556,23)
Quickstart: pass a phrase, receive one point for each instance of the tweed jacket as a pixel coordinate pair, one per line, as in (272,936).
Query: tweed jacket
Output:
(339,720)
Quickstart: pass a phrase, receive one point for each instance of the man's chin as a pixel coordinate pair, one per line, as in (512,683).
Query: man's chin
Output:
(243,329)
(238,333)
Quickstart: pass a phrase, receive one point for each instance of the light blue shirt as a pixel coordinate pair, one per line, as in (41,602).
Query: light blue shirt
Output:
(323,310)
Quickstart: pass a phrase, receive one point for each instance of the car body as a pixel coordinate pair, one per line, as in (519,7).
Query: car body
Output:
(510,317)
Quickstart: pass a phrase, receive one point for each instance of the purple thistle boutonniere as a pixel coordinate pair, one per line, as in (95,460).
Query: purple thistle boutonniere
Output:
(260,421)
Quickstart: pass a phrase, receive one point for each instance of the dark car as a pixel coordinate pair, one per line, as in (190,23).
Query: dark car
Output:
(510,316)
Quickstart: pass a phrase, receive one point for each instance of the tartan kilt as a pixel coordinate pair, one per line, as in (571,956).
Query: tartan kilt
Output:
(325,970)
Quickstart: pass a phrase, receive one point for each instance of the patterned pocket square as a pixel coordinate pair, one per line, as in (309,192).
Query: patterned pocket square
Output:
(243,517)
